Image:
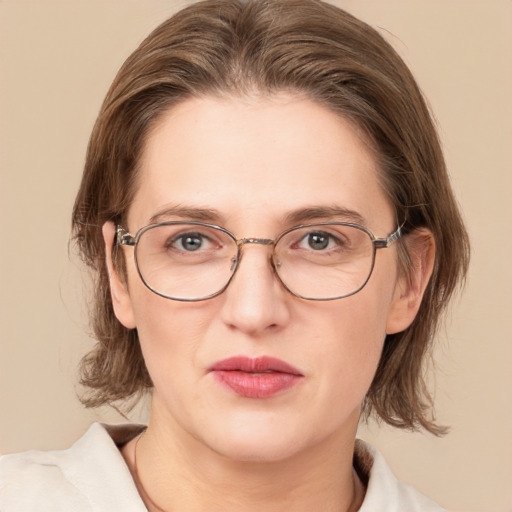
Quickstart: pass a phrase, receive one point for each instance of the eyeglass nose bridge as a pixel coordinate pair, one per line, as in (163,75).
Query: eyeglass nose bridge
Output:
(260,241)
(244,241)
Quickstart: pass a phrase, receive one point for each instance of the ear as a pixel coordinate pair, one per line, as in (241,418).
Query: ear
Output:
(411,285)
(118,287)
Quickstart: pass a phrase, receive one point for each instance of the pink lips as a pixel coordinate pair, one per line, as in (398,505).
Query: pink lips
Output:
(260,377)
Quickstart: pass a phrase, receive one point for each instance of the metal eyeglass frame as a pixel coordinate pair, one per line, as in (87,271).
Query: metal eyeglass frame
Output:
(123,237)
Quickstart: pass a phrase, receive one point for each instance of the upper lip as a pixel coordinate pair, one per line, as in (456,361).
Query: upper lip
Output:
(254,365)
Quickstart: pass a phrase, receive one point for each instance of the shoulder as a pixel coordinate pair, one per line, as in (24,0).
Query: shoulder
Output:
(384,492)
(91,475)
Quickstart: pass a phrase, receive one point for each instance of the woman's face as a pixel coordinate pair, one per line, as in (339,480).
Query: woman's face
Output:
(252,166)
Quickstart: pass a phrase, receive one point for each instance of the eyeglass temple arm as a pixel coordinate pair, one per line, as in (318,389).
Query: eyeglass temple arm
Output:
(123,237)
(381,243)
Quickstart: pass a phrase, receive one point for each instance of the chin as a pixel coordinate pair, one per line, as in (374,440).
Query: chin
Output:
(264,451)
(257,442)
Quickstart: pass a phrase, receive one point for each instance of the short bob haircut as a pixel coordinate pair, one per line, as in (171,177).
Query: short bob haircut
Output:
(240,48)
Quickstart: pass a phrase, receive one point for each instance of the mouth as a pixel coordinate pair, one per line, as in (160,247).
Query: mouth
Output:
(261,377)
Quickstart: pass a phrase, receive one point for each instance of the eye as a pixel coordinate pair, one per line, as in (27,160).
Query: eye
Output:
(317,241)
(190,242)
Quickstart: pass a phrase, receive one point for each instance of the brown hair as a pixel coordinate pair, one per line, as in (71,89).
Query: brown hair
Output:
(305,46)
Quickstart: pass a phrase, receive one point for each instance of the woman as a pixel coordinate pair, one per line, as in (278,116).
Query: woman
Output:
(267,210)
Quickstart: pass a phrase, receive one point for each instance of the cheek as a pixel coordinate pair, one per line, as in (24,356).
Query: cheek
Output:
(164,332)
(359,340)
(352,350)
(172,335)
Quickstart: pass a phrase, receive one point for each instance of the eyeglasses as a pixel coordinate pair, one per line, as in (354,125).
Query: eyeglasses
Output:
(193,261)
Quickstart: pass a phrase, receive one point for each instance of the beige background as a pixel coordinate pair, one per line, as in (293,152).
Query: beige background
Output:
(57,59)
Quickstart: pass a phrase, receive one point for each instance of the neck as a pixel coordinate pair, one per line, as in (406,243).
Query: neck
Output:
(174,472)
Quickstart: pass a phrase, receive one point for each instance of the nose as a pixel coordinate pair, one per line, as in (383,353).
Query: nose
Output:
(255,300)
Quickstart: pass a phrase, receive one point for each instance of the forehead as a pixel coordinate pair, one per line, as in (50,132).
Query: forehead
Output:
(258,157)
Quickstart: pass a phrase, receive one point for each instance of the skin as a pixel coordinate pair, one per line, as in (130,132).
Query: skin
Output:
(254,161)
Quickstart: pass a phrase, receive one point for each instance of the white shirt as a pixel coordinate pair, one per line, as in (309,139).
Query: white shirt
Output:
(93,476)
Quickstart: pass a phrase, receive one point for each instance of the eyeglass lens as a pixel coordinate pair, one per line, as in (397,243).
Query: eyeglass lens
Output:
(193,262)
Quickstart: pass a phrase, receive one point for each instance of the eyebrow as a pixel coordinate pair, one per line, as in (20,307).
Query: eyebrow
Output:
(187,212)
(299,216)
(304,215)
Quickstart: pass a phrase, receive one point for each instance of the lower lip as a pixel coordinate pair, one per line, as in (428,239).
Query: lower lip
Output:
(256,385)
